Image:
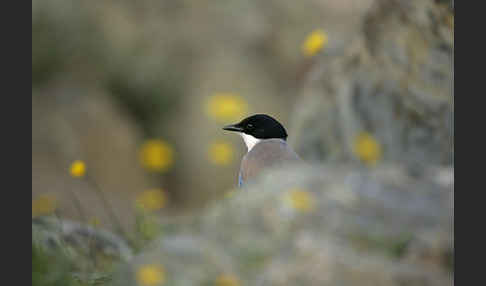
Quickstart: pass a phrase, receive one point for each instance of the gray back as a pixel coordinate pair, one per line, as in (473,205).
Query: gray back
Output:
(267,153)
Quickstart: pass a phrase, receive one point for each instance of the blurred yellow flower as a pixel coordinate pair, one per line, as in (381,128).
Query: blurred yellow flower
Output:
(152,200)
(151,275)
(94,221)
(43,205)
(156,155)
(367,148)
(230,194)
(226,107)
(220,153)
(227,280)
(300,200)
(77,169)
(314,42)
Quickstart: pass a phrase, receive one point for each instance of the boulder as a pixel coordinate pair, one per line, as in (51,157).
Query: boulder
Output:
(314,225)
(394,82)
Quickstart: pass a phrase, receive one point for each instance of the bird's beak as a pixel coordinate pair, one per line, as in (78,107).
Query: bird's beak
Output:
(233,127)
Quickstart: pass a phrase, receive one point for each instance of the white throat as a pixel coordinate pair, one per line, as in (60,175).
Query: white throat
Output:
(250,141)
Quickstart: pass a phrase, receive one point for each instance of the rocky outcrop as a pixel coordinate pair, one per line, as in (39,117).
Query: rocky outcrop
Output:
(394,81)
(316,225)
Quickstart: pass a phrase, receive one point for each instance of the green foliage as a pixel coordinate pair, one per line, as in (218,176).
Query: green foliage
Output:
(147,228)
(46,52)
(64,43)
(146,102)
(393,246)
(50,269)
(55,268)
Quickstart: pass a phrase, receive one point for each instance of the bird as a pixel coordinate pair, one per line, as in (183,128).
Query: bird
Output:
(266,141)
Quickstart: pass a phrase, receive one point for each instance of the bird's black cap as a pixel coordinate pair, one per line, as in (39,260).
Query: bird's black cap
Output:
(260,126)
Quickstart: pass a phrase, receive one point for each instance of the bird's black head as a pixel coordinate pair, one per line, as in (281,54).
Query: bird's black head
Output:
(260,126)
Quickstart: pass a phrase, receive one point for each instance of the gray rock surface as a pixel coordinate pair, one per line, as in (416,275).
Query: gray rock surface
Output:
(347,226)
(394,81)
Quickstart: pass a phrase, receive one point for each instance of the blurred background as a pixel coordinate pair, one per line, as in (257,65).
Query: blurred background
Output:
(129,97)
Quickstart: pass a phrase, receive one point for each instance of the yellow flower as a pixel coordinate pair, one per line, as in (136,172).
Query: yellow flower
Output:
(43,205)
(314,42)
(152,200)
(300,200)
(156,155)
(226,107)
(220,153)
(227,280)
(367,148)
(230,194)
(94,221)
(151,275)
(78,168)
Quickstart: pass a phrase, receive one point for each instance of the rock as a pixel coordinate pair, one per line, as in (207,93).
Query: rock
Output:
(395,82)
(315,225)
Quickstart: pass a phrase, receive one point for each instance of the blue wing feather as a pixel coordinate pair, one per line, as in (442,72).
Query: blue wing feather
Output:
(240,181)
